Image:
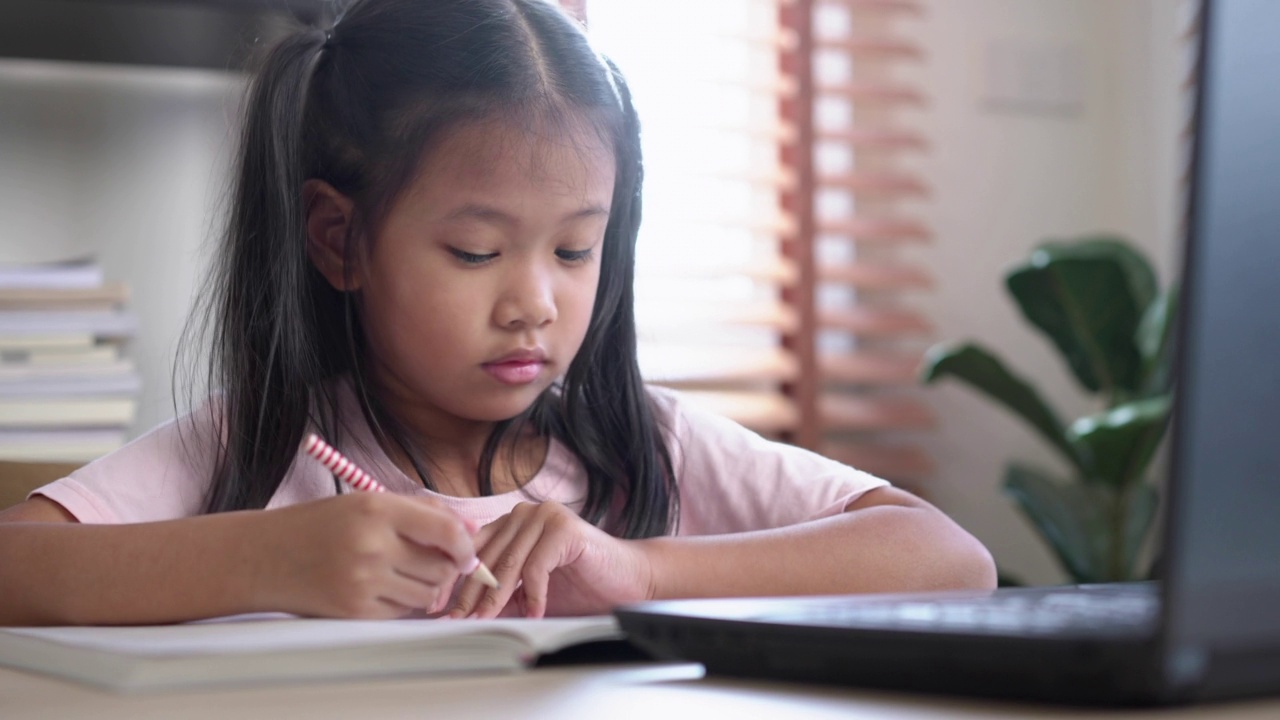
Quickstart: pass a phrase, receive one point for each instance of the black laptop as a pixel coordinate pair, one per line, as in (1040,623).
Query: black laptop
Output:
(1210,628)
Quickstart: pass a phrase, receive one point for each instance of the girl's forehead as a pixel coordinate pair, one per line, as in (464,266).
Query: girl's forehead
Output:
(567,156)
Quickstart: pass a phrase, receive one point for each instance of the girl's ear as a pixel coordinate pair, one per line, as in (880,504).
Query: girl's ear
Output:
(329,218)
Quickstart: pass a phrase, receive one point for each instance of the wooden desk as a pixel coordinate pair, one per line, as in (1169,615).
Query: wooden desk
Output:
(618,692)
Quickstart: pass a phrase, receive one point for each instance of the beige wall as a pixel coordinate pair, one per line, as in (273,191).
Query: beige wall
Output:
(1003,181)
(127,163)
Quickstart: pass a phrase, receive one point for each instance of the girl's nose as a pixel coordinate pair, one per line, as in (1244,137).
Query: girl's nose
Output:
(528,301)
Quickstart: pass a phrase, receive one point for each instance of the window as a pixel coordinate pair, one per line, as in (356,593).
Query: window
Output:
(768,280)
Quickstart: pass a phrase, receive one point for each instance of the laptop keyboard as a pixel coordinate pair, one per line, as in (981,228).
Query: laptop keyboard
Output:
(1036,613)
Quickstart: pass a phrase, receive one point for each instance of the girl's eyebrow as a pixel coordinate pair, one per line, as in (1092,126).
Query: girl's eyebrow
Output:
(490,214)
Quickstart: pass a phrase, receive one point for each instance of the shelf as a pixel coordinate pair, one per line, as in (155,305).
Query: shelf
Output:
(210,34)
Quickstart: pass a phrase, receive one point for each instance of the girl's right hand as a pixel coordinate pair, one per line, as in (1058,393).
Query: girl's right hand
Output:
(360,555)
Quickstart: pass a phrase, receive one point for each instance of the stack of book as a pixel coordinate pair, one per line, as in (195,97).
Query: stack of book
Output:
(67,392)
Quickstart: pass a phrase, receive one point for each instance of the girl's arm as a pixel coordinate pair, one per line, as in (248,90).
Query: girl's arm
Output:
(886,541)
(551,562)
(357,555)
(57,571)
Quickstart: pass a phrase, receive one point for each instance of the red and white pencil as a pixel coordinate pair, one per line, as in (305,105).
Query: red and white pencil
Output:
(340,466)
(349,473)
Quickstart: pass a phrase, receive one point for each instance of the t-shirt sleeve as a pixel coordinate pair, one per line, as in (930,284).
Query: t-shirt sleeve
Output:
(733,480)
(162,475)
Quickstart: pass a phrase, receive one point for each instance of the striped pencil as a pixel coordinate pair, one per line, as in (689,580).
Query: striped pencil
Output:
(349,473)
(340,466)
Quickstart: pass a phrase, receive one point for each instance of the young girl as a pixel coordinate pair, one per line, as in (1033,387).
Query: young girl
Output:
(429,262)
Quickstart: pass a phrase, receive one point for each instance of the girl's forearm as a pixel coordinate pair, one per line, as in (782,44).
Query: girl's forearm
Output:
(68,573)
(886,548)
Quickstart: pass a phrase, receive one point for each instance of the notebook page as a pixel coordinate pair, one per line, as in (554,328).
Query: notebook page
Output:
(237,635)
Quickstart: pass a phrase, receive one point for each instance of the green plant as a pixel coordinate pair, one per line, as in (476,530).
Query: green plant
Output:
(1098,301)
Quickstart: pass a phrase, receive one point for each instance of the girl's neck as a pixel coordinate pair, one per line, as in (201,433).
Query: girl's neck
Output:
(515,463)
(448,450)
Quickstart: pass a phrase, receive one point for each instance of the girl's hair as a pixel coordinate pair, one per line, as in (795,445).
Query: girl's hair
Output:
(359,106)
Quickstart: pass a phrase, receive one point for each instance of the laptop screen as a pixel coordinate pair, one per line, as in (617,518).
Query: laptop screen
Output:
(1224,561)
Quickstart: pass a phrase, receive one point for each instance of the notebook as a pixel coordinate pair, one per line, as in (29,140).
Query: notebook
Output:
(259,649)
(1210,628)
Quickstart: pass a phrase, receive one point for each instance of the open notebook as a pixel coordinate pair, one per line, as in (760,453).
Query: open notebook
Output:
(274,648)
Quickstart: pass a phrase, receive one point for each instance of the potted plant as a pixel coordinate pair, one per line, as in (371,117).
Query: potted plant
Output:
(1097,299)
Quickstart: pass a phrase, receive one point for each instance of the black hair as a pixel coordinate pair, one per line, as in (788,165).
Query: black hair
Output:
(358,106)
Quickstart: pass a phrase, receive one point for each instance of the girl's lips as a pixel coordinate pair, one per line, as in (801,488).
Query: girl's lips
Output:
(515,372)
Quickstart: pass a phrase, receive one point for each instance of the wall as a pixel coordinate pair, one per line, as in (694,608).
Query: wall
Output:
(1005,180)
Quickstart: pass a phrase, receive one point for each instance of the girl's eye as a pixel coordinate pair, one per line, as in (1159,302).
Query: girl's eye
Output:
(472,258)
(574,255)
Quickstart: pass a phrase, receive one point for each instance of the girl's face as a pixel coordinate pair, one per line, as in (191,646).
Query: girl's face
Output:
(477,291)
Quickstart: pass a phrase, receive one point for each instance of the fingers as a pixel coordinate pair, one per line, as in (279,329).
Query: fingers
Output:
(389,610)
(425,565)
(493,540)
(391,555)
(425,558)
(426,523)
(523,549)
(395,555)
(397,596)
(537,576)
(410,593)
(417,579)
(505,545)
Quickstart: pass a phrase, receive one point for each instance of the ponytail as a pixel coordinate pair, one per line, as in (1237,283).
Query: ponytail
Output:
(262,337)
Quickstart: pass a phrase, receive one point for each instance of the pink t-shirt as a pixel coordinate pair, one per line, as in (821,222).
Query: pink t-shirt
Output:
(730,479)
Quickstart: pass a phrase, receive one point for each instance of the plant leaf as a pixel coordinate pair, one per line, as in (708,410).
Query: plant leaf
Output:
(1070,517)
(1121,441)
(981,369)
(1143,501)
(1088,298)
(1137,268)
(1155,342)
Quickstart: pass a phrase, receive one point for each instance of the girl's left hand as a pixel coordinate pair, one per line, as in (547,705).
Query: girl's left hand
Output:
(549,561)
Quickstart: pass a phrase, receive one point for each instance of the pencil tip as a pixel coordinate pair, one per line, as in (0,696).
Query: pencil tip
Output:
(486,577)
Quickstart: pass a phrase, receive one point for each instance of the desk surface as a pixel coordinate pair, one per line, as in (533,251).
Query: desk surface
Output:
(642,692)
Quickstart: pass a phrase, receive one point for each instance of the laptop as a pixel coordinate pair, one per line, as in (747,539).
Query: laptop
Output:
(1210,627)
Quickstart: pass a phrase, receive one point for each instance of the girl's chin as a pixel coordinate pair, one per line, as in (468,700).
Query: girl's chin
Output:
(501,406)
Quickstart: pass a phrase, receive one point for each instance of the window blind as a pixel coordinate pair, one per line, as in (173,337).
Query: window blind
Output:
(774,276)
(869,334)
(711,266)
